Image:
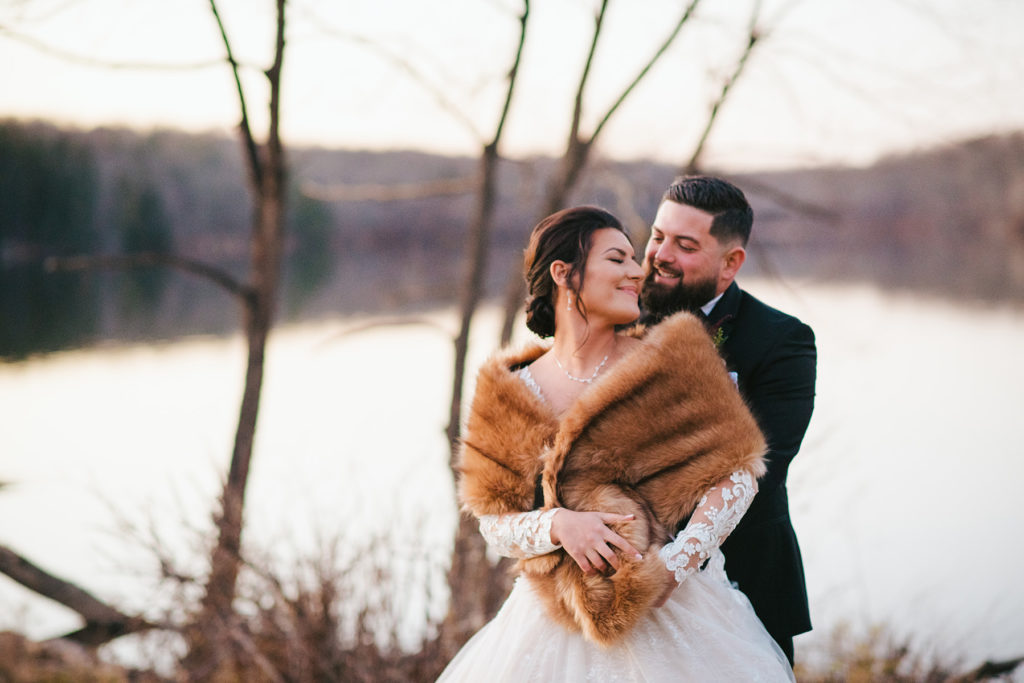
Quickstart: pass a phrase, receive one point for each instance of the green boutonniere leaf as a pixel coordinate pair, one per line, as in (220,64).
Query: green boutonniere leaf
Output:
(718,335)
(719,338)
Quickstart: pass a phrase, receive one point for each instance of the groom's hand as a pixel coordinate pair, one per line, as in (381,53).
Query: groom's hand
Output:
(588,540)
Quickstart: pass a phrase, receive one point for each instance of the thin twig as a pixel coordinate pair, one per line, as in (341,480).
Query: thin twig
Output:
(753,36)
(379,192)
(148,260)
(84,60)
(255,165)
(647,67)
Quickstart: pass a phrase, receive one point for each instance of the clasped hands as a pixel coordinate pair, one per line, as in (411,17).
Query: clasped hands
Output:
(588,539)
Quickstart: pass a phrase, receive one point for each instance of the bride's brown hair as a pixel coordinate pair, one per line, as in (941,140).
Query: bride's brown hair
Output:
(563,236)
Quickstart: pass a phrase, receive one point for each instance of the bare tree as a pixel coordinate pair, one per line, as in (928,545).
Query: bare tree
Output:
(209,638)
(756,33)
(210,647)
(469,610)
(578,148)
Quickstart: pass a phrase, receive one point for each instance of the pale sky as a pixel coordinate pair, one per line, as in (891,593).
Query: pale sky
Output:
(833,81)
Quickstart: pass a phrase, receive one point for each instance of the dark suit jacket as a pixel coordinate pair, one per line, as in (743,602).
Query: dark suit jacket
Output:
(775,360)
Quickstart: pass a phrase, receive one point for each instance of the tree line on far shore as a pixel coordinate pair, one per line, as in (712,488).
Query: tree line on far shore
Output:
(948,222)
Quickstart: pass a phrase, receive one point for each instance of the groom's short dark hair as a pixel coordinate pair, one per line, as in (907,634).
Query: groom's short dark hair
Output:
(733,216)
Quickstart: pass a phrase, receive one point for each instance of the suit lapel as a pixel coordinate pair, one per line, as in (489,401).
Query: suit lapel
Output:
(722,320)
(728,305)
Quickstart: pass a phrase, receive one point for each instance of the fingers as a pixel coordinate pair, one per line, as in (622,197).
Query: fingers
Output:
(588,540)
(623,545)
(610,559)
(616,540)
(603,558)
(609,517)
(597,561)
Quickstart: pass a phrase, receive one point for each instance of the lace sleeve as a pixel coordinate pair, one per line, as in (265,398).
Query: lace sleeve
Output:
(519,534)
(714,518)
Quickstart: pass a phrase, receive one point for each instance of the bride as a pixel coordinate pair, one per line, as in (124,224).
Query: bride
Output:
(612,464)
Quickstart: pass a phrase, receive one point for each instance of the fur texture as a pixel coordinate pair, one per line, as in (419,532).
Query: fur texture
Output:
(649,438)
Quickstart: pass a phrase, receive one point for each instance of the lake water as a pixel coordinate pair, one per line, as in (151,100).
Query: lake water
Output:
(906,494)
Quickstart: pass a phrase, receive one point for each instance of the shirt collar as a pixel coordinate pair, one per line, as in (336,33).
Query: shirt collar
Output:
(710,306)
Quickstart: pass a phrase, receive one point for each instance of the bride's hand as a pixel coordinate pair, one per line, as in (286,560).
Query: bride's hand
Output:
(588,540)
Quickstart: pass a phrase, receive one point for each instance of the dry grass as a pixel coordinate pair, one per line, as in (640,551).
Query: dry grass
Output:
(881,656)
(329,618)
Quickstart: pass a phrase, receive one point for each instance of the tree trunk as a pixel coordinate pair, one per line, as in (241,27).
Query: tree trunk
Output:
(210,640)
(475,584)
(576,155)
(476,258)
(477,587)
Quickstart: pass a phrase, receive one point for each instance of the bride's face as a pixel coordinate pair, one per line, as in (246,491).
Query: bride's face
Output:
(611,282)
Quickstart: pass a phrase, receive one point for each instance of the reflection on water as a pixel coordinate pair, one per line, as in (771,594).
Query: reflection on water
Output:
(904,496)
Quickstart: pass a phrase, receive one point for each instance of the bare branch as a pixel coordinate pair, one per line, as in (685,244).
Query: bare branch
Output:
(753,35)
(240,637)
(377,192)
(439,94)
(992,669)
(388,322)
(625,200)
(577,148)
(102,622)
(647,67)
(469,560)
(84,60)
(573,159)
(255,165)
(479,242)
(790,202)
(513,73)
(275,162)
(577,112)
(148,260)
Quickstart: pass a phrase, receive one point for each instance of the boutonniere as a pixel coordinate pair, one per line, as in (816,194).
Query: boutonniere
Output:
(718,335)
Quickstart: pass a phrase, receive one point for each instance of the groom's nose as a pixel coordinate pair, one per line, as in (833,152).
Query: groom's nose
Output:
(663,253)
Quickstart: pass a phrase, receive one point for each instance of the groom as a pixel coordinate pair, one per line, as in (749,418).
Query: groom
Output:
(696,248)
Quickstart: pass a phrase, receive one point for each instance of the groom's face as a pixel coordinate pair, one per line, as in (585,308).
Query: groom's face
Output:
(682,261)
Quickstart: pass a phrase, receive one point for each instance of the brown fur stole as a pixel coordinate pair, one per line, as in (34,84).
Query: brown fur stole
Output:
(649,438)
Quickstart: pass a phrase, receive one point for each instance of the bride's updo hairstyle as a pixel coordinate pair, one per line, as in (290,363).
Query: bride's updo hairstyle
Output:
(563,236)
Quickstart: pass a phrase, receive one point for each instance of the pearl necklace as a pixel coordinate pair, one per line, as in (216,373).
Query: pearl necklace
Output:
(582,380)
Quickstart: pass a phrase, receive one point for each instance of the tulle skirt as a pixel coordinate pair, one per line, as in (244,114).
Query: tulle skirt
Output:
(707,631)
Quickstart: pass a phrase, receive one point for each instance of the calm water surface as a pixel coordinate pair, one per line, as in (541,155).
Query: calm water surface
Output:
(905,495)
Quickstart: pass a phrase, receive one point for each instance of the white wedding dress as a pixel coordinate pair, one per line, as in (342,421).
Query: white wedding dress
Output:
(706,631)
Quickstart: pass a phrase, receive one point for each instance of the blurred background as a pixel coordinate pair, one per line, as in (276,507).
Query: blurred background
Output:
(880,142)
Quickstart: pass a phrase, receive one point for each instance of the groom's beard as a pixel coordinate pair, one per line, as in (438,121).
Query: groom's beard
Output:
(660,301)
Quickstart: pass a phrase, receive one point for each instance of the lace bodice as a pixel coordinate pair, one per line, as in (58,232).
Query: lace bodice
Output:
(528,534)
